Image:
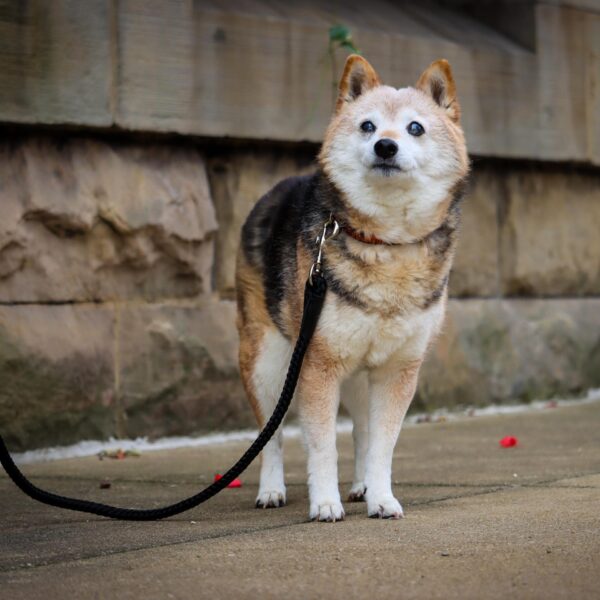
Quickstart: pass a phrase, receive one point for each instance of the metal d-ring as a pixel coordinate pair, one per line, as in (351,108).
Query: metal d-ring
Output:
(330,229)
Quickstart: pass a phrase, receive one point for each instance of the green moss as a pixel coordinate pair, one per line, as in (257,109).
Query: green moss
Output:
(45,403)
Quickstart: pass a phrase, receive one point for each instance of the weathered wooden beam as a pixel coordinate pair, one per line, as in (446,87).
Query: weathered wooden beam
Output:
(55,62)
(258,70)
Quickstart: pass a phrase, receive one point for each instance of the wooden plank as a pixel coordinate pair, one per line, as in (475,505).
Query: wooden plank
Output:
(249,78)
(242,74)
(562,125)
(235,75)
(55,62)
(593,88)
(260,70)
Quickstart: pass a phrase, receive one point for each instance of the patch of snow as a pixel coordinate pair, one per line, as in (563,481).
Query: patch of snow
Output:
(91,448)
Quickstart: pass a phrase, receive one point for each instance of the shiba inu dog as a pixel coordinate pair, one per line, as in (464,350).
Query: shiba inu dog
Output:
(391,172)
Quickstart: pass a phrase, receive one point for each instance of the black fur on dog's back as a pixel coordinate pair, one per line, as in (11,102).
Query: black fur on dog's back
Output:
(295,210)
(283,215)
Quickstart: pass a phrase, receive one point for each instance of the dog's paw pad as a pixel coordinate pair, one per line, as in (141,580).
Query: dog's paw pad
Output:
(327,512)
(270,499)
(385,508)
(357,493)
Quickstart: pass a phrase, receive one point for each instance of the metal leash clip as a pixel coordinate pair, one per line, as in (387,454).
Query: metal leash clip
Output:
(330,229)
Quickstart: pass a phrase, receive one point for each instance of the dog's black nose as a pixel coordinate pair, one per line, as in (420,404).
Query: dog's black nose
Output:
(386,148)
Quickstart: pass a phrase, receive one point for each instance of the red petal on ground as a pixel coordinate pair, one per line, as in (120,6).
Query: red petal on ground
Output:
(509,441)
(236,483)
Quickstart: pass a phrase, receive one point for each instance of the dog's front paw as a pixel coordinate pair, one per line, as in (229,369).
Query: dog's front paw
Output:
(327,511)
(270,499)
(384,507)
(357,492)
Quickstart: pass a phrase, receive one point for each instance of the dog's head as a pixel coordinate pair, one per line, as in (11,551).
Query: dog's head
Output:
(385,147)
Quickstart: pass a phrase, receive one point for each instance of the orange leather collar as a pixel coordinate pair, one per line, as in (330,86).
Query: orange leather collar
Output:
(364,238)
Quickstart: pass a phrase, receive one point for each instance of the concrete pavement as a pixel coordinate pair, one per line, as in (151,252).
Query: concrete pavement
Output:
(481,522)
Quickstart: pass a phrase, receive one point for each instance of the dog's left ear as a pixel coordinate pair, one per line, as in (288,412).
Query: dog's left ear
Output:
(358,77)
(437,82)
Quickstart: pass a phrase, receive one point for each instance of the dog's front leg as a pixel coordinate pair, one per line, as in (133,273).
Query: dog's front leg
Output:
(318,400)
(391,392)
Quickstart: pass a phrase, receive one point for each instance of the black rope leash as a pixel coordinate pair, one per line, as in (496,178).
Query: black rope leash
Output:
(314,297)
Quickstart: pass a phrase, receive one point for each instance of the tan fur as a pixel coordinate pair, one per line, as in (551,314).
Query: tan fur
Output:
(357,73)
(439,75)
(252,319)
(402,388)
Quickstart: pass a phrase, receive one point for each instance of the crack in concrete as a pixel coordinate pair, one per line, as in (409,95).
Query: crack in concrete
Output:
(91,556)
(490,489)
(410,484)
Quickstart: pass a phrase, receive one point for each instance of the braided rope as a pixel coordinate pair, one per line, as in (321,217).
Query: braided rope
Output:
(314,297)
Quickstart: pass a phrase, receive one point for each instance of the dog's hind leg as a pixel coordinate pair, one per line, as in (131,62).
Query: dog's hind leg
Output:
(263,380)
(355,397)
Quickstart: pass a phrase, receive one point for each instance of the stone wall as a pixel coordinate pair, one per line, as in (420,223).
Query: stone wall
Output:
(117,279)
(109,322)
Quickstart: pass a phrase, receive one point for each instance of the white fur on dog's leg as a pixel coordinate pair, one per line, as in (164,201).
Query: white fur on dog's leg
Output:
(354,397)
(391,393)
(267,380)
(318,400)
(325,501)
(271,492)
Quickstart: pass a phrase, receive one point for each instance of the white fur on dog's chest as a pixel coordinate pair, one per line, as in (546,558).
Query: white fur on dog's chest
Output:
(367,340)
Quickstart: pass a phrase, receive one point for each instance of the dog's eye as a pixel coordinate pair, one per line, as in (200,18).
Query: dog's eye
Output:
(368,127)
(415,129)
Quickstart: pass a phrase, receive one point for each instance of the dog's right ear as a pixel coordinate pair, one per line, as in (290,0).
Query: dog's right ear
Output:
(437,81)
(358,77)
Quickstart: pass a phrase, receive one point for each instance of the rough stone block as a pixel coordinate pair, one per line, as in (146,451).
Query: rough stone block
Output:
(57,374)
(512,350)
(475,268)
(178,369)
(550,233)
(83,220)
(90,371)
(237,181)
